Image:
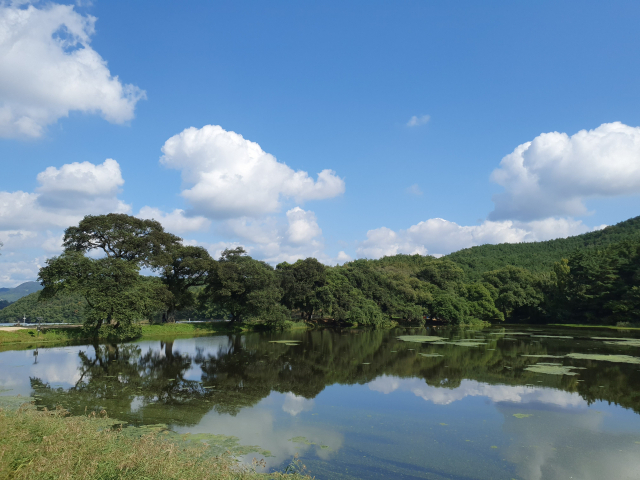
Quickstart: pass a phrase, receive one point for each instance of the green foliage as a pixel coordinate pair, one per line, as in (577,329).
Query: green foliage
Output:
(4,303)
(599,286)
(303,285)
(122,237)
(243,286)
(517,292)
(186,268)
(114,290)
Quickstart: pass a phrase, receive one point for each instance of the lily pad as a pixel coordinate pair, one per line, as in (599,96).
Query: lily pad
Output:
(551,336)
(605,358)
(419,338)
(465,343)
(543,356)
(550,369)
(625,342)
(523,415)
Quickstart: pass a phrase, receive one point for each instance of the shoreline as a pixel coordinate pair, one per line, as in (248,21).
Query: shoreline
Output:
(20,338)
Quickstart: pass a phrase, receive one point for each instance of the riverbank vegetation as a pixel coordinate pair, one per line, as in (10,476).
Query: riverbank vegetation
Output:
(24,338)
(591,278)
(40,444)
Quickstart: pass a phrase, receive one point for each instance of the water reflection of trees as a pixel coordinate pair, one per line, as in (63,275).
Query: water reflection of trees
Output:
(153,386)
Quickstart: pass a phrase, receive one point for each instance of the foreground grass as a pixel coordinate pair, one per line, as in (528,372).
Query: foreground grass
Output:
(51,445)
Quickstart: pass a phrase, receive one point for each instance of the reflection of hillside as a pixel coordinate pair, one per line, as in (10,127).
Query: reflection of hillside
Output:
(162,385)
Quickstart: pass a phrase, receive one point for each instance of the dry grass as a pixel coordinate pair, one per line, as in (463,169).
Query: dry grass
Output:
(52,445)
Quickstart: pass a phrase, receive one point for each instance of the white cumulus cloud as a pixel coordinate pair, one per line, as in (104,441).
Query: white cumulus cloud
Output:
(74,183)
(231,177)
(35,220)
(437,236)
(64,196)
(175,221)
(48,68)
(303,226)
(555,173)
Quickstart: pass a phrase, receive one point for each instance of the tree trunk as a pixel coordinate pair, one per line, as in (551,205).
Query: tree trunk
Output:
(168,350)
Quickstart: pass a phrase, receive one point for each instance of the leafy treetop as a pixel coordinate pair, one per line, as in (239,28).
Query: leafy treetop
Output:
(123,237)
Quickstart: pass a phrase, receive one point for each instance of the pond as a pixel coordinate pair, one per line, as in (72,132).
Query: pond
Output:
(498,403)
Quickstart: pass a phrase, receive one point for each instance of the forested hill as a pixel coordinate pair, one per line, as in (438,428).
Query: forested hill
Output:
(60,309)
(22,290)
(539,256)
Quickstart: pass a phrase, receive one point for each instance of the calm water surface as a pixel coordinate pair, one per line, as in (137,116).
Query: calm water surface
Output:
(514,403)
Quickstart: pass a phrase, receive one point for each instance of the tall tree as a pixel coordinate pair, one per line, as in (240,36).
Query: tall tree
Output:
(242,286)
(115,292)
(122,237)
(187,268)
(518,292)
(302,285)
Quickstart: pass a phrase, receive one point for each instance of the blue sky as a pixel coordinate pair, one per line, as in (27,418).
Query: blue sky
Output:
(324,86)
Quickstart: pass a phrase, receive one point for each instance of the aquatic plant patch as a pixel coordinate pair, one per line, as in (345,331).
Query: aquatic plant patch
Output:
(543,356)
(551,336)
(551,369)
(419,338)
(605,358)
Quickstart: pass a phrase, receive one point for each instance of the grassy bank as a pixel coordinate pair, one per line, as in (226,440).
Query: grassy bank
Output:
(51,445)
(49,336)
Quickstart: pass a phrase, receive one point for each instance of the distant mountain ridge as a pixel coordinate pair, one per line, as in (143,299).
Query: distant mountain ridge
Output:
(540,256)
(22,290)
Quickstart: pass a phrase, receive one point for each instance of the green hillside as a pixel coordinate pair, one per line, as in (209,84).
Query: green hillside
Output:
(13,294)
(539,256)
(67,309)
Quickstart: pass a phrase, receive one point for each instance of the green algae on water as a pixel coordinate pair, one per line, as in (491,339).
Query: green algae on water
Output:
(430,354)
(523,415)
(302,440)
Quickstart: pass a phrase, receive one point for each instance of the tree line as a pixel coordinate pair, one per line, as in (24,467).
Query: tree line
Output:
(598,284)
